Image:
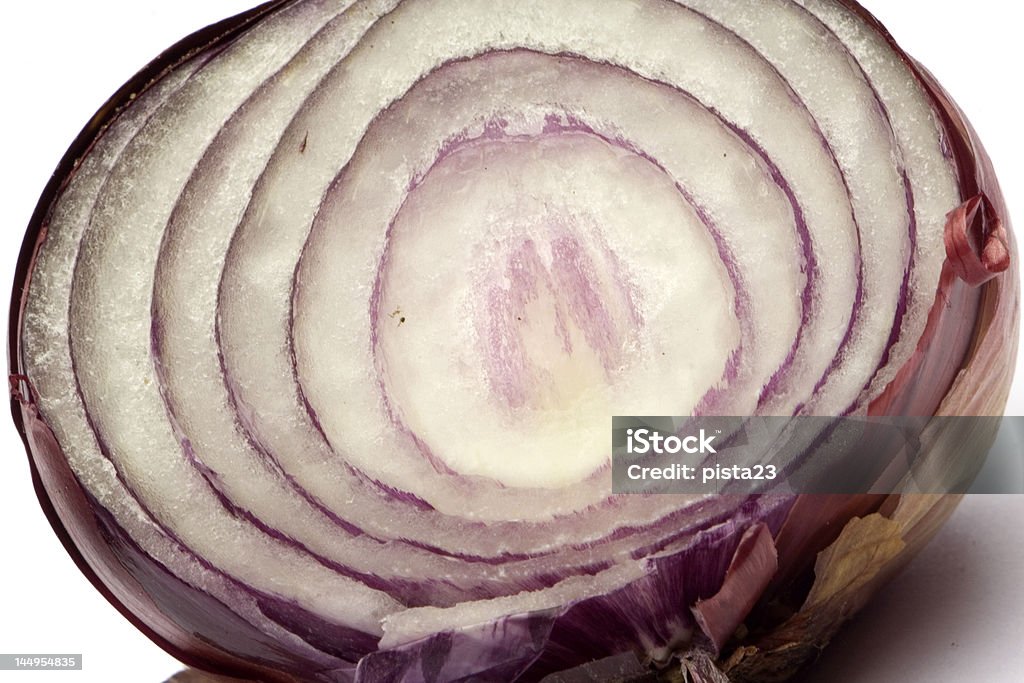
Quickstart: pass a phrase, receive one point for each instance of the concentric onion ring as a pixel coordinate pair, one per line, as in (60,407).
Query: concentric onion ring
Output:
(329,321)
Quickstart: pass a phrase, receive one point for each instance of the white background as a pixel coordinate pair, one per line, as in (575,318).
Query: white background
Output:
(956,614)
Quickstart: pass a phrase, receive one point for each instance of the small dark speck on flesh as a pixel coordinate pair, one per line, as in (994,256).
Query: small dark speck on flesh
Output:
(305,141)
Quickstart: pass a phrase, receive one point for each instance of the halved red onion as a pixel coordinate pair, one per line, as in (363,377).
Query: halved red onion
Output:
(318,337)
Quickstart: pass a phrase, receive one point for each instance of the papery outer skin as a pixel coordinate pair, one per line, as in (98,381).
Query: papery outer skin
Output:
(754,564)
(980,388)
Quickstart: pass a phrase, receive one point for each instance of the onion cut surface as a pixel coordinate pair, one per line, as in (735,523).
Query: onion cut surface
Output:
(322,331)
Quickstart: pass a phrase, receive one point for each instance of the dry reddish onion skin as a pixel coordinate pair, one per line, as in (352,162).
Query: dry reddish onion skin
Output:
(956,362)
